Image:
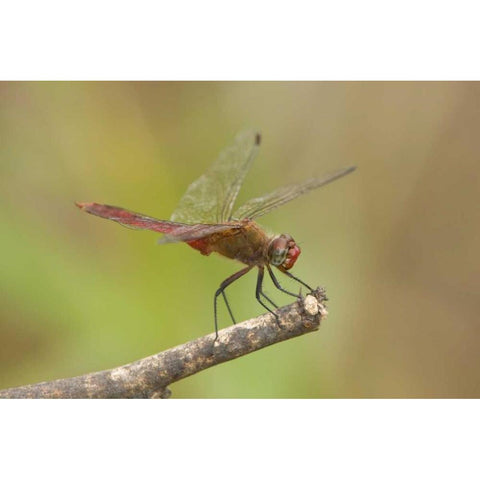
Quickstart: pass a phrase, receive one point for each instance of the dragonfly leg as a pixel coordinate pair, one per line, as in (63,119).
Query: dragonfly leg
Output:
(288,274)
(269,299)
(259,292)
(228,307)
(228,281)
(277,283)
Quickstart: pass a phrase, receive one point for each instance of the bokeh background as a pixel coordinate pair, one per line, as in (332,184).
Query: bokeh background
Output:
(396,244)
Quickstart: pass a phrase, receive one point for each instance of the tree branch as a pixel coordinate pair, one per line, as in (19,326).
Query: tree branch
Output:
(150,376)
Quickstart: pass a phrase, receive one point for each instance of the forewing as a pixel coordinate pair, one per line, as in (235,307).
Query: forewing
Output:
(262,205)
(210,198)
(175,232)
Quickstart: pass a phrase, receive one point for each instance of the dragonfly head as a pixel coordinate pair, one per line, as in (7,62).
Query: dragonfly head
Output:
(283,251)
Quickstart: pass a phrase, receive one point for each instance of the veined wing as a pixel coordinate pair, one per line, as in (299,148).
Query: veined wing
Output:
(175,232)
(262,205)
(210,198)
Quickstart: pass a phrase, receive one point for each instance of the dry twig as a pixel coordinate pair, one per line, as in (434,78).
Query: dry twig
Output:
(150,377)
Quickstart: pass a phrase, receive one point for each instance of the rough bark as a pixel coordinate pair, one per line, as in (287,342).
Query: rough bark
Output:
(150,376)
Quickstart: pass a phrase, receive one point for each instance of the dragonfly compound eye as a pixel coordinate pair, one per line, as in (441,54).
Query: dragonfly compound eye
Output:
(277,250)
(283,251)
(292,255)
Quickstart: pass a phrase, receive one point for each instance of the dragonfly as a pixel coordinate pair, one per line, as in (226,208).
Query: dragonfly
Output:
(206,221)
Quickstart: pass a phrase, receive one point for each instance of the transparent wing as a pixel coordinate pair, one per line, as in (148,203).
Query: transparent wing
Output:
(175,232)
(262,205)
(210,198)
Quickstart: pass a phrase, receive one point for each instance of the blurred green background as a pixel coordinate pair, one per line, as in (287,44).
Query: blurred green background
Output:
(395,243)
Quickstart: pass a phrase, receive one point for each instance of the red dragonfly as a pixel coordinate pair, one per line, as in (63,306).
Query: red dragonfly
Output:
(204,220)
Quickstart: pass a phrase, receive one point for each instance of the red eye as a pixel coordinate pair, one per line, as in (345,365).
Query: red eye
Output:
(292,256)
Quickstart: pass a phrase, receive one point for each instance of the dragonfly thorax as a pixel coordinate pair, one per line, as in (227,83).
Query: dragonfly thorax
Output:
(283,251)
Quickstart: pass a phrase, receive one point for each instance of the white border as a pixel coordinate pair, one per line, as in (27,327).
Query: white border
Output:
(241,439)
(248,40)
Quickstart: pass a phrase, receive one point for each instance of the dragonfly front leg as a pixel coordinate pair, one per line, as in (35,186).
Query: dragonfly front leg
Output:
(277,283)
(288,274)
(228,281)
